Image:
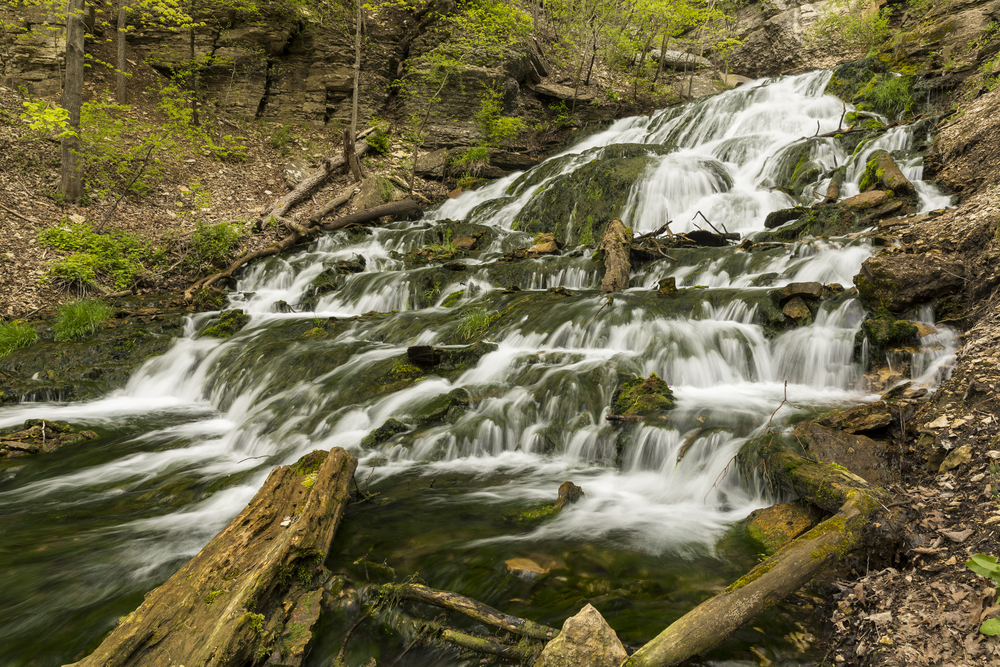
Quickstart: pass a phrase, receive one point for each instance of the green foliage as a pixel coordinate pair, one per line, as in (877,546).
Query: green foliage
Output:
(987,566)
(380,140)
(498,129)
(119,258)
(385,189)
(560,113)
(15,335)
(78,319)
(888,94)
(213,244)
(472,161)
(282,137)
(46,119)
(476,321)
(857,24)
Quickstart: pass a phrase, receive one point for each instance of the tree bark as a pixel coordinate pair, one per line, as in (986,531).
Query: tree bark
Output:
(350,157)
(357,74)
(122,88)
(890,175)
(71,177)
(859,510)
(334,203)
(833,190)
(233,601)
(309,185)
(401,207)
(615,253)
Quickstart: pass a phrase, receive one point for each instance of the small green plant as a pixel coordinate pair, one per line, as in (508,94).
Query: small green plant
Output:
(560,114)
(430,295)
(472,161)
(498,129)
(282,138)
(15,335)
(987,566)
(446,248)
(385,189)
(77,319)
(380,140)
(46,119)
(213,244)
(887,93)
(476,321)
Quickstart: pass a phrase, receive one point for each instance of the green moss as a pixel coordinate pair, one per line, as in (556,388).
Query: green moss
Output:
(230,321)
(310,463)
(753,575)
(383,433)
(213,594)
(885,330)
(642,397)
(405,368)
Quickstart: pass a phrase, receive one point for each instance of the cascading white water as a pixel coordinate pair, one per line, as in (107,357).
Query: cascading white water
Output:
(538,402)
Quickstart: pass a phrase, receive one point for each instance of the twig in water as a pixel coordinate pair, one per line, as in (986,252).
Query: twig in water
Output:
(706,220)
(252,458)
(339,660)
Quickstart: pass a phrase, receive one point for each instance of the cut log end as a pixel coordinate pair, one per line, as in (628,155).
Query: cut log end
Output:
(615,252)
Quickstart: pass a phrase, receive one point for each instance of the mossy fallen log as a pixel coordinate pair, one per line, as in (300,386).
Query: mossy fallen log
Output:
(254,589)
(882,169)
(859,508)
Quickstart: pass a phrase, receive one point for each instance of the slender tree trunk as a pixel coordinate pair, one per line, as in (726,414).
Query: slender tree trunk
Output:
(357,73)
(193,79)
(122,91)
(71,178)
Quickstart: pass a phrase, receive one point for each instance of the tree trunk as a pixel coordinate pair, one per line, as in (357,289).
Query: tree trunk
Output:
(615,253)
(122,88)
(71,177)
(401,207)
(357,74)
(833,190)
(350,157)
(890,175)
(334,203)
(235,600)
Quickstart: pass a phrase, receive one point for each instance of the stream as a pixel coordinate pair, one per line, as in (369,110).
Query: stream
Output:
(87,530)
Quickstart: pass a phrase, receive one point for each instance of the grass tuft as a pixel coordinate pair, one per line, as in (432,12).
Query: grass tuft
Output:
(78,319)
(15,335)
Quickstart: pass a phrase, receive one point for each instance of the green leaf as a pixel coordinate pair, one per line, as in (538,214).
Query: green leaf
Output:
(984,565)
(990,627)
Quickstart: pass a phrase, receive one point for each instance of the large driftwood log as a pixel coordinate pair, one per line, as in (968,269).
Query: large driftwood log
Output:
(342,198)
(232,602)
(858,506)
(615,252)
(889,174)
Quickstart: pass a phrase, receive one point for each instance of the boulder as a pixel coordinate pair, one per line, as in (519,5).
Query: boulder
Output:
(508,161)
(667,287)
(783,295)
(464,242)
(869,199)
(569,493)
(860,419)
(863,456)
(679,60)
(797,310)
(376,191)
(585,639)
(40,436)
(638,397)
(561,92)
(433,164)
(296,171)
(778,218)
(898,282)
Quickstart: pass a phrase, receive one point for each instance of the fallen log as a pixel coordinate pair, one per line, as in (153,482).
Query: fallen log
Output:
(473,609)
(283,205)
(615,254)
(833,190)
(402,207)
(334,203)
(882,169)
(254,585)
(860,510)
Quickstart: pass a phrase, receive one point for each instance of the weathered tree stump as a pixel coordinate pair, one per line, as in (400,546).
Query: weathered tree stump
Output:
(615,252)
(882,169)
(252,591)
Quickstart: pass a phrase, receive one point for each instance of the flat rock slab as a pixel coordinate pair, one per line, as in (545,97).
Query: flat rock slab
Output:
(861,418)
(869,199)
(561,92)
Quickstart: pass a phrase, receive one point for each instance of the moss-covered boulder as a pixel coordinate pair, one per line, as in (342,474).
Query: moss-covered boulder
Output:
(897,282)
(40,436)
(383,433)
(870,85)
(228,323)
(640,397)
(884,330)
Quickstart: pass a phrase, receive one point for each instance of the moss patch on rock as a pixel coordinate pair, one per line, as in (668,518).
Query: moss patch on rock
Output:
(230,321)
(390,428)
(640,397)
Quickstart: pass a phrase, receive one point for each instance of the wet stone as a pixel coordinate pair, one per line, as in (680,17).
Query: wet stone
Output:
(796,309)
(667,287)
(790,291)
(585,639)
(525,568)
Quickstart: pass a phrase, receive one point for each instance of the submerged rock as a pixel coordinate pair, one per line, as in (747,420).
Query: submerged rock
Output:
(525,568)
(40,436)
(390,428)
(230,321)
(585,639)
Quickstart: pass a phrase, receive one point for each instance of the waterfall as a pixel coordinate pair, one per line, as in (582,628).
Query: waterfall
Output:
(187,442)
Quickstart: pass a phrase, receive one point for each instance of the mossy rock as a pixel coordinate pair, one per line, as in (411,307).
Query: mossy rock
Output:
(383,433)
(885,331)
(640,397)
(773,527)
(229,322)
